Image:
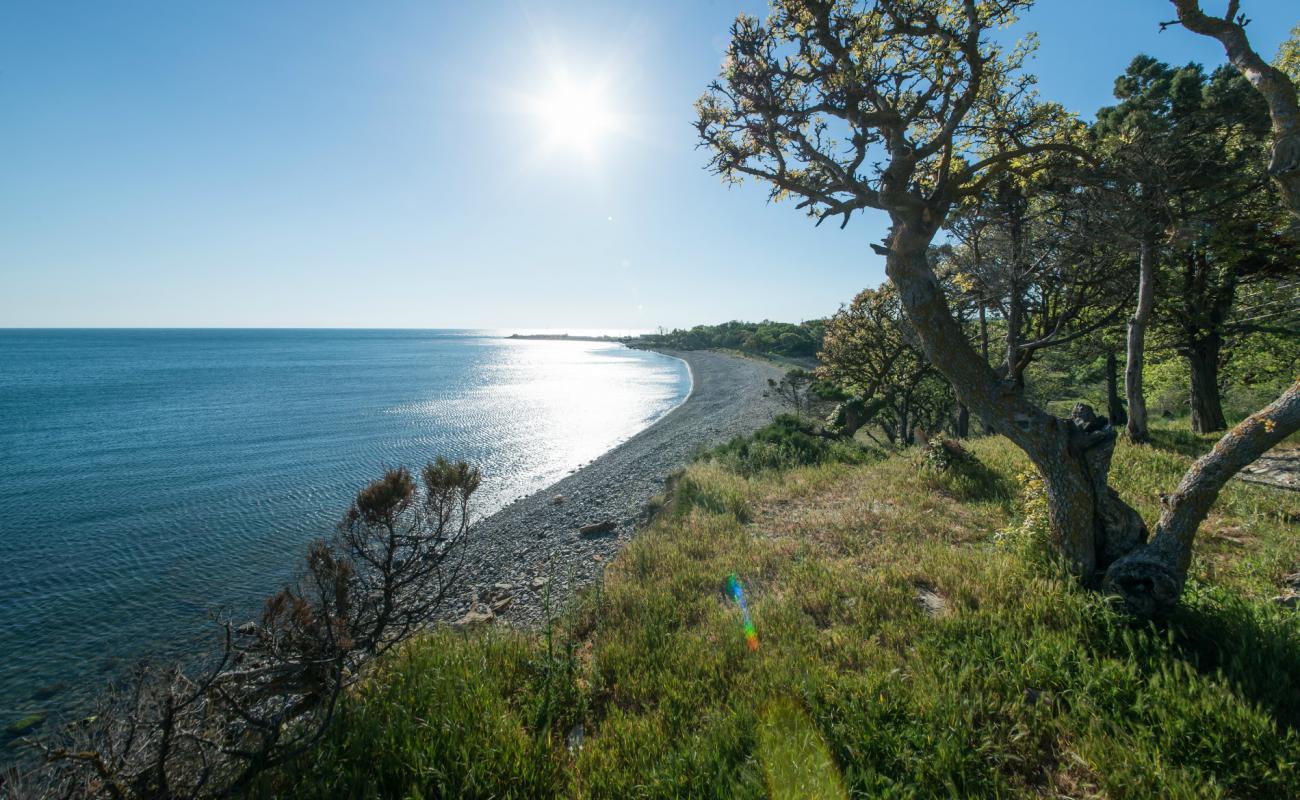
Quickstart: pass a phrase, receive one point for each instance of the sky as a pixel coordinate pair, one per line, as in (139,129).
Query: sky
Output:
(401,164)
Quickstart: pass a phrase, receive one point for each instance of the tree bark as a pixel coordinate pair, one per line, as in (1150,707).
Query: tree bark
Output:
(984,335)
(1207,406)
(963,421)
(1151,578)
(984,350)
(1137,331)
(1114,408)
(1016,359)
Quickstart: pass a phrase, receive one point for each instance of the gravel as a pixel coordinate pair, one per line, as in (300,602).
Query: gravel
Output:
(526,560)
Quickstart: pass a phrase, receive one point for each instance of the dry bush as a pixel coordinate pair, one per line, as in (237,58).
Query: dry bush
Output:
(270,690)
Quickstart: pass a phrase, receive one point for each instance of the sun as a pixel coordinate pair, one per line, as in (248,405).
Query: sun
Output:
(573,114)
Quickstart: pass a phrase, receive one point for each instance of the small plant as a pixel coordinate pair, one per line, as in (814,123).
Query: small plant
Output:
(944,454)
(954,469)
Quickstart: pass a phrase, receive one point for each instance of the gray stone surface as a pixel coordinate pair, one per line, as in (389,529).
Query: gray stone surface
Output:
(1280,468)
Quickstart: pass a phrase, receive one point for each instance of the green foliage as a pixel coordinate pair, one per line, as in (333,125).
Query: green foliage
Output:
(447,717)
(766,338)
(712,489)
(1029,532)
(1166,379)
(1011,681)
(945,456)
(1257,370)
(788,441)
(1187,151)
(871,355)
(1288,55)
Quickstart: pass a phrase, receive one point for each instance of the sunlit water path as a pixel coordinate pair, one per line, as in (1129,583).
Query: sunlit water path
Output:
(147,477)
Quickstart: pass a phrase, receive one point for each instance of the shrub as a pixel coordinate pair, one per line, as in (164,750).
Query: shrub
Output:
(1030,532)
(272,689)
(955,469)
(788,441)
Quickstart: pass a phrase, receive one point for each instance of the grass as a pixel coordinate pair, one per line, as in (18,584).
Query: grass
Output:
(908,646)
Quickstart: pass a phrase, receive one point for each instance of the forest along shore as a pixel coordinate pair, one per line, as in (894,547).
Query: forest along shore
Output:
(533,552)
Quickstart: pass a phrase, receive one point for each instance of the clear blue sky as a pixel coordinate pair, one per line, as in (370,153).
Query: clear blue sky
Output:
(379,164)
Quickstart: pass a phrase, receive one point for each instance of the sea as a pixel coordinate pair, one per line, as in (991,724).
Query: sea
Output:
(149,478)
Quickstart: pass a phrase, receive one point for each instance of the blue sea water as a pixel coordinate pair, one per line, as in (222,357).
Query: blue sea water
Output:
(148,477)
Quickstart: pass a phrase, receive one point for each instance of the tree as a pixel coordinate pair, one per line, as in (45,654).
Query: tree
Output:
(906,106)
(1152,577)
(1242,253)
(1182,175)
(779,338)
(1147,166)
(871,354)
(794,389)
(928,113)
(1275,86)
(1288,55)
(1028,251)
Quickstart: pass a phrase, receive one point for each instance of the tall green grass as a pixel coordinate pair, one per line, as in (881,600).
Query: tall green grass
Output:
(1010,680)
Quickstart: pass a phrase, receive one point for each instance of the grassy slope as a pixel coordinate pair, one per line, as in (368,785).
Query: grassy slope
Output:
(1012,682)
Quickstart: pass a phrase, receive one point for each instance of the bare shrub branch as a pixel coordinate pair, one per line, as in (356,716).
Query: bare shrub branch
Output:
(271,689)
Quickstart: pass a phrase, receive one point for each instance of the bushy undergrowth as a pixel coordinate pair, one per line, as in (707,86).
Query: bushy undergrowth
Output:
(900,653)
(788,441)
(950,467)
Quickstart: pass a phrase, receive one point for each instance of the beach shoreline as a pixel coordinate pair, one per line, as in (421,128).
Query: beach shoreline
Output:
(531,537)
(527,559)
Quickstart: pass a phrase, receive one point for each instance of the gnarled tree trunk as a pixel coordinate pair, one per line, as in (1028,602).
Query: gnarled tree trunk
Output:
(1091,526)
(984,351)
(1137,331)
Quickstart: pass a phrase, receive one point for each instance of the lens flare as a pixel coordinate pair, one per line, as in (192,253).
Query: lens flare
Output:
(738,594)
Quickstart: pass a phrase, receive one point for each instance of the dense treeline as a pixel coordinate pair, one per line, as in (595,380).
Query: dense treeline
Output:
(1025,241)
(766,337)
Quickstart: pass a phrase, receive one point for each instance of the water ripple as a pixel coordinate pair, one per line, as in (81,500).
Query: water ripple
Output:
(149,476)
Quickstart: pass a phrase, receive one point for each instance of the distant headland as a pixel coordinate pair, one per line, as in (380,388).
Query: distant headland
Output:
(569,338)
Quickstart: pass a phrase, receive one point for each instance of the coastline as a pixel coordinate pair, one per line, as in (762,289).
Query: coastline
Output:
(527,559)
(505,545)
